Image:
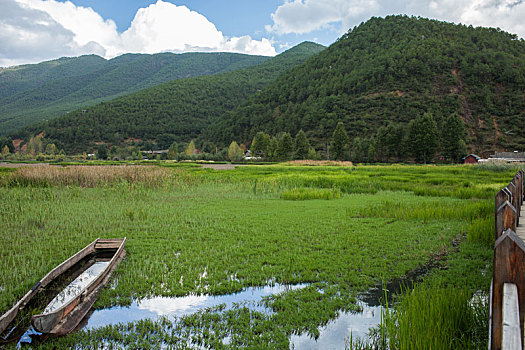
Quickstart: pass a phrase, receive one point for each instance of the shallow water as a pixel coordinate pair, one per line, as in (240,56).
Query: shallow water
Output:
(332,336)
(336,334)
(153,308)
(77,286)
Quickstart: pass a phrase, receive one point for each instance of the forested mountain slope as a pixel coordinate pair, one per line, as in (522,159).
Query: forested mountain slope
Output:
(175,111)
(393,70)
(36,92)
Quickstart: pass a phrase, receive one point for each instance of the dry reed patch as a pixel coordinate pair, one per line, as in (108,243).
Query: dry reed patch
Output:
(320,163)
(88,176)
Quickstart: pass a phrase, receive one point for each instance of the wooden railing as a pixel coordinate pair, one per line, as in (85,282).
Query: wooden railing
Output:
(507,303)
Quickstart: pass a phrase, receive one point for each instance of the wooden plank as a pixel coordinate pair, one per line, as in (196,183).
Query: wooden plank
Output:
(109,243)
(511,338)
(509,267)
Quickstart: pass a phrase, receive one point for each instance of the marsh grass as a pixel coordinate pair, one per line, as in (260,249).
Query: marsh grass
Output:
(477,216)
(183,220)
(303,193)
(436,316)
(430,210)
(86,176)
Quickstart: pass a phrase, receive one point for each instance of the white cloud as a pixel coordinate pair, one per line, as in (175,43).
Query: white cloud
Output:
(29,35)
(36,30)
(305,16)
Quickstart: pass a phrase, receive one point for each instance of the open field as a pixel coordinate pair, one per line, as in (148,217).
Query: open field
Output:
(340,230)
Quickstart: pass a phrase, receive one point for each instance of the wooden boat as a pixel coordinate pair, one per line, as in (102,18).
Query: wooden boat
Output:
(68,308)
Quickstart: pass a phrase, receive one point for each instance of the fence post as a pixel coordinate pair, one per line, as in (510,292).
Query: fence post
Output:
(509,267)
(505,218)
(501,197)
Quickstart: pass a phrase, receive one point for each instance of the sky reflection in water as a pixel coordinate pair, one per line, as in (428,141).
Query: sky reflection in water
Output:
(332,336)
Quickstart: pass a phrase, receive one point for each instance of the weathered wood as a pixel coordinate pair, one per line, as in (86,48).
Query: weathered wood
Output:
(509,267)
(510,216)
(10,315)
(500,198)
(53,322)
(511,337)
(519,194)
(505,218)
(71,321)
(514,190)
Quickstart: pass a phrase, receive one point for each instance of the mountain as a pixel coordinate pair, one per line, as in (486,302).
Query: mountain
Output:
(392,70)
(175,111)
(36,92)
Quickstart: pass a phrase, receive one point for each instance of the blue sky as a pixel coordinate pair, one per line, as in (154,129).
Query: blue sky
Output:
(36,30)
(233,18)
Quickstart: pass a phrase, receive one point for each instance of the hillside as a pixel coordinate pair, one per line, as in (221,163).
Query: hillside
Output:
(32,93)
(390,71)
(175,111)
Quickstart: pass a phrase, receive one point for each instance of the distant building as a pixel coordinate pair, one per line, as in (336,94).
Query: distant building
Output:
(508,156)
(471,159)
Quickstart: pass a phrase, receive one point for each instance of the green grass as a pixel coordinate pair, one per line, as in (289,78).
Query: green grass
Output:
(436,317)
(301,193)
(181,221)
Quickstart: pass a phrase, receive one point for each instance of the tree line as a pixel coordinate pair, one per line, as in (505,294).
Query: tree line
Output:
(421,141)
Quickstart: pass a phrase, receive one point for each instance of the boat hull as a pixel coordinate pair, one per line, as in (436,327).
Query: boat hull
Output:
(65,318)
(11,314)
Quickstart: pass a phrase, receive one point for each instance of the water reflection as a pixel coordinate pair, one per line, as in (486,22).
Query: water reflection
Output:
(152,308)
(77,286)
(336,333)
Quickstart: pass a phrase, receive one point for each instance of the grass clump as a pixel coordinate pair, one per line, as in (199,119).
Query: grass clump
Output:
(303,193)
(481,230)
(435,316)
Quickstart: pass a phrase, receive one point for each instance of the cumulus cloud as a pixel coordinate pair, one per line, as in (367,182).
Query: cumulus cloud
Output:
(304,16)
(36,30)
(29,35)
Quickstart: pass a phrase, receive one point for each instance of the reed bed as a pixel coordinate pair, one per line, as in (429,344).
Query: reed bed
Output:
(87,176)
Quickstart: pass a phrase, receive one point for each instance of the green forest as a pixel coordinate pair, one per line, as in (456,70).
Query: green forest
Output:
(384,81)
(37,92)
(175,111)
(387,72)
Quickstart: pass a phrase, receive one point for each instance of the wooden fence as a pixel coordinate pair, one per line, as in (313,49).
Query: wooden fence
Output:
(507,304)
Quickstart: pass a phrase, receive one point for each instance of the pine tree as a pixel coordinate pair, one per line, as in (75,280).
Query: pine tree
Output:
(102,151)
(260,144)
(272,149)
(235,152)
(285,147)
(190,150)
(340,141)
(172,151)
(302,146)
(453,138)
(5,151)
(423,138)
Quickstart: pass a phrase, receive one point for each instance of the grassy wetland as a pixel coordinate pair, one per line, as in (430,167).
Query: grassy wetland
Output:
(338,231)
